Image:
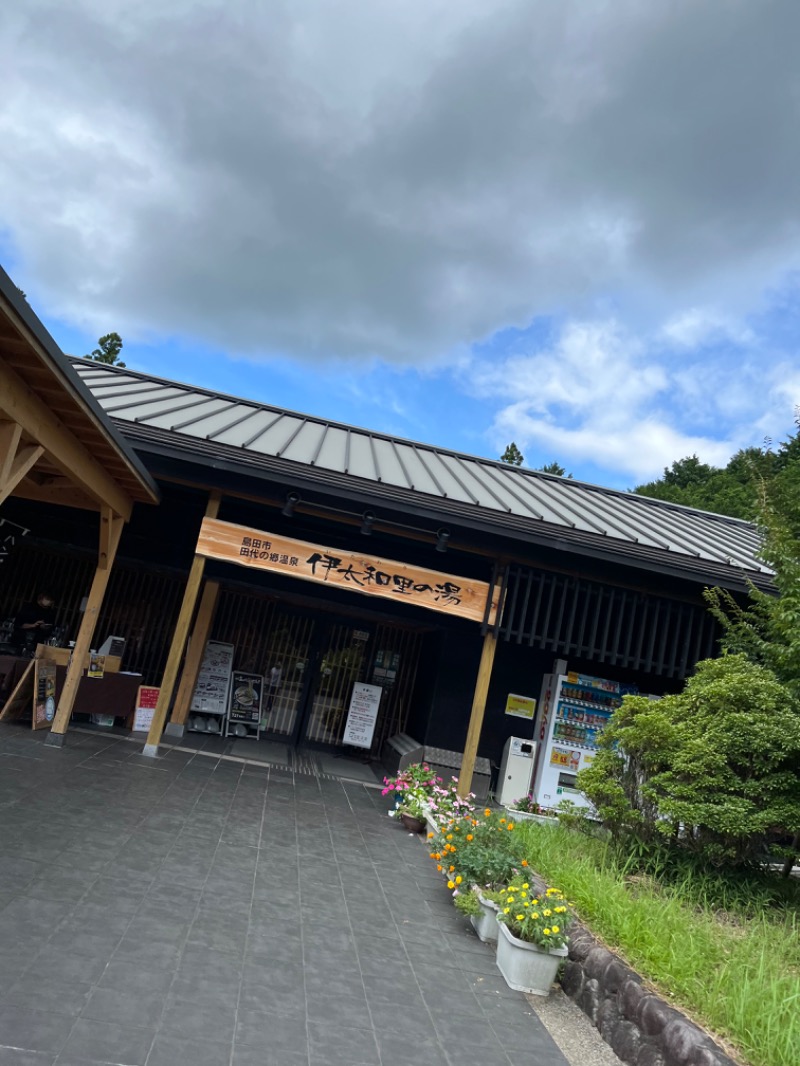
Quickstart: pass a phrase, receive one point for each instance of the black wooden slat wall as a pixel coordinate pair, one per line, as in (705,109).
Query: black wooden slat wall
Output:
(590,620)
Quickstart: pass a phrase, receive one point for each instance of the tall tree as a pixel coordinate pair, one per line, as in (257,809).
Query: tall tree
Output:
(512,455)
(108,351)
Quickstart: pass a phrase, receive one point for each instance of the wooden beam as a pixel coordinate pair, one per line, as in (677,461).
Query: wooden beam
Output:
(20,404)
(16,459)
(194,656)
(29,489)
(167,686)
(10,433)
(476,718)
(110,531)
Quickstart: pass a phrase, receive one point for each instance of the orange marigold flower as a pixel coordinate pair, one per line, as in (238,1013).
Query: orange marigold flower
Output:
(469,836)
(451,869)
(439,867)
(524,862)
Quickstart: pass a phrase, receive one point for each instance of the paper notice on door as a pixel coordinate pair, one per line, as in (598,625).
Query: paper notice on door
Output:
(362,715)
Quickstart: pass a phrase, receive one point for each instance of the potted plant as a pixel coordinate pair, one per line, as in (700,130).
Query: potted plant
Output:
(412,789)
(479,855)
(527,809)
(532,937)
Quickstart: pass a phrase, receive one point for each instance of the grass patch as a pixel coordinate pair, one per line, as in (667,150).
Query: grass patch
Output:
(727,953)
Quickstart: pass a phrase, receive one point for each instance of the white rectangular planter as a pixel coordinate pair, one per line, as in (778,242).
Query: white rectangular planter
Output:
(526,967)
(528,816)
(485,924)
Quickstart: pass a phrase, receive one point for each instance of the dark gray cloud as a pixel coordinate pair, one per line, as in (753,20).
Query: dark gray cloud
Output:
(395,179)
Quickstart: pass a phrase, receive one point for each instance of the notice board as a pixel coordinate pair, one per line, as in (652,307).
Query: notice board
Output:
(213,680)
(362,715)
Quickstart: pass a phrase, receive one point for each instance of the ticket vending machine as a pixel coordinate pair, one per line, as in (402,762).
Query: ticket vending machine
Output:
(516,770)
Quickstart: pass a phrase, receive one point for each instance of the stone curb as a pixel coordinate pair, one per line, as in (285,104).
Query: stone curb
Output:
(642,1029)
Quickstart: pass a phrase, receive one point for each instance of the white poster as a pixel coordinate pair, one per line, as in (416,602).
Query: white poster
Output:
(362,715)
(214,678)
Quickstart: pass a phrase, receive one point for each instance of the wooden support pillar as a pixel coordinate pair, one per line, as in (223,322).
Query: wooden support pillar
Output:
(15,461)
(194,659)
(179,640)
(476,718)
(110,532)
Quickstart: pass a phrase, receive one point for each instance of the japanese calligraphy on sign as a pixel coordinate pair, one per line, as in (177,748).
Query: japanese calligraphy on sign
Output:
(371,576)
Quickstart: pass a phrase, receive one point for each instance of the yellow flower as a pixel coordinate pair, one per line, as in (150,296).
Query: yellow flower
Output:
(451,884)
(520,917)
(535,915)
(534,901)
(506,910)
(525,885)
(510,899)
(459,879)
(556,929)
(449,836)
(546,932)
(547,913)
(526,904)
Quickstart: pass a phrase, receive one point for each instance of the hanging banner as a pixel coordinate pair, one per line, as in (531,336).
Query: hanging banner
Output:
(362,715)
(459,596)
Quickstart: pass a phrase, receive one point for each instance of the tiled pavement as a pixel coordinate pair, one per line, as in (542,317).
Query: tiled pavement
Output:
(205,912)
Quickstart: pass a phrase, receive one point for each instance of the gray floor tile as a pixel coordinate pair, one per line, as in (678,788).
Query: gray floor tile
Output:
(10,1056)
(34,1030)
(171,1050)
(102,1042)
(272,1032)
(113,1005)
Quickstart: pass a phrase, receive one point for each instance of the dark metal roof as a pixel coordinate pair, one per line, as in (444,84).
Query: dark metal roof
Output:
(545,508)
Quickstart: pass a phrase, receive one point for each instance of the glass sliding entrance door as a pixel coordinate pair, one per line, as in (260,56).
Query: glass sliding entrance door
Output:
(286,674)
(343,660)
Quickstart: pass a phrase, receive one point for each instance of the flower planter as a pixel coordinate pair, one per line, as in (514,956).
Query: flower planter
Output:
(528,816)
(412,824)
(526,967)
(485,924)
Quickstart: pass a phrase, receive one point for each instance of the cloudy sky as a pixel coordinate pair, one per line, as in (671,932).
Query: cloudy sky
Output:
(573,224)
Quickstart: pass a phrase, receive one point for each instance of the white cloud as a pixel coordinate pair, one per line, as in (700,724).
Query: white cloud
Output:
(599,396)
(394,179)
(703,326)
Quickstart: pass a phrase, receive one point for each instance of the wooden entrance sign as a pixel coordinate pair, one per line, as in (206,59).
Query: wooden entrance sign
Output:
(455,596)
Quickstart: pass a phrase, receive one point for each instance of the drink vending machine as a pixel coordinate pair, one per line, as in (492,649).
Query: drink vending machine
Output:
(575,710)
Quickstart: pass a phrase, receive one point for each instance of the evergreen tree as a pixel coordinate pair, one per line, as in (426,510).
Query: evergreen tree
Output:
(108,351)
(512,455)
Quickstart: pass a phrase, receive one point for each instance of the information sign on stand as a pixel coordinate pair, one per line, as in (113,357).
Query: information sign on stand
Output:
(44,694)
(362,715)
(245,706)
(146,700)
(213,680)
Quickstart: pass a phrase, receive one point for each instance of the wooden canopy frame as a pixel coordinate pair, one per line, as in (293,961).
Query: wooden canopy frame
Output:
(58,446)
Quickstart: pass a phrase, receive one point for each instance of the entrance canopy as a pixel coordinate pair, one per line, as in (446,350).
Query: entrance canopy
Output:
(56,443)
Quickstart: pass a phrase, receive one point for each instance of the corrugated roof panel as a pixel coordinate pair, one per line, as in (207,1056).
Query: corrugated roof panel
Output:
(183,414)
(481,492)
(360,461)
(275,436)
(507,489)
(391,470)
(332,453)
(210,421)
(418,475)
(451,485)
(302,447)
(145,405)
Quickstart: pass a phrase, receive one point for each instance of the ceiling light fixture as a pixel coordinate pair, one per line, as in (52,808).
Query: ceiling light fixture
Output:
(292,500)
